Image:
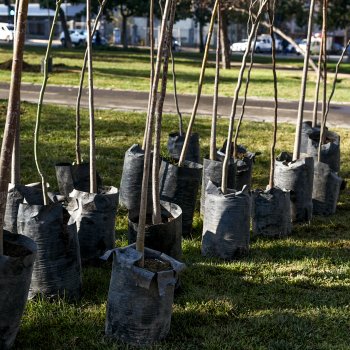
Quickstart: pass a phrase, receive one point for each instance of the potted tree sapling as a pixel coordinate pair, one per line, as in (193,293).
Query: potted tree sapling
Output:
(243,159)
(94,211)
(179,181)
(271,208)
(77,175)
(212,165)
(144,277)
(330,150)
(163,229)
(17,252)
(295,173)
(131,180)
(57,271)
(327,182)
(226,225)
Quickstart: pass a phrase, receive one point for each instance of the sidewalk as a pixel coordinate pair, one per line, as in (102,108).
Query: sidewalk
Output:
(256,109)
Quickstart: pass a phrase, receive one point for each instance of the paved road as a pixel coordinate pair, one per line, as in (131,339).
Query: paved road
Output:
(259,110)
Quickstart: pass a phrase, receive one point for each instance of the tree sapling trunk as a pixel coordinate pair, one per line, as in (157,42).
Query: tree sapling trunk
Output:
(200,86)
(93,180)
(40,103)
(80,89)
(317,88)
(157,218)
(140,240)
(13,112)
(324,121)
(151,54)
(235,99)
(271,13)
(324,90)
(225,45)
(212,153)
(251,64)
(297,141)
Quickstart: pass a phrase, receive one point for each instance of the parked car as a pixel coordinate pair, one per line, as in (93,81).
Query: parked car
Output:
(263,44)
(97,39)
(6,32)
(176,46)
(240,46)
(77,37)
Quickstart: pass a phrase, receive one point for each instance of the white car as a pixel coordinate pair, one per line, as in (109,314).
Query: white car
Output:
(6,32)
(77,37)
(241,46)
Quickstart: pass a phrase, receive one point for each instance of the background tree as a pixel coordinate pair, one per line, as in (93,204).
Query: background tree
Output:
(52,5)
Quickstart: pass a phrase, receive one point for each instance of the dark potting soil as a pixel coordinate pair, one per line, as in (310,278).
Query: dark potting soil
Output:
(14,250)
(149,221)
(157,265)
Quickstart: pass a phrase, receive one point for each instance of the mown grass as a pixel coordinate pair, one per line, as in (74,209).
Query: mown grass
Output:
(129,70)
(292,293)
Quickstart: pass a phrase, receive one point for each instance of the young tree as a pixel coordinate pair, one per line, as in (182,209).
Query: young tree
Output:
(13,112)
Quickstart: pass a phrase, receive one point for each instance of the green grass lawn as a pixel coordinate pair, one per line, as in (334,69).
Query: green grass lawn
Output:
(292,293)
(129,70)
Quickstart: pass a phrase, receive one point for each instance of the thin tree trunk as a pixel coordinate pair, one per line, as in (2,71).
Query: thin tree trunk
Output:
(212,153)
(324,91)
(140,240)
(200,86)
(67,39)
(40,103)
(82,74)
(235,100)
(317,89)
(282,35)
(296,153)
(324,121)
(244,102)
(151,54)
(225,45)
(13,112)
(271,13)
(157,218)
(92,160)
(202,44)
(176,100)
(124,33)
(15,165)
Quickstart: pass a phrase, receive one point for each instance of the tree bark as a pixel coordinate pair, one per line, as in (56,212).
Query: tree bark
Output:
(225,45)
(296,152)
(67,40)
(13,112)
